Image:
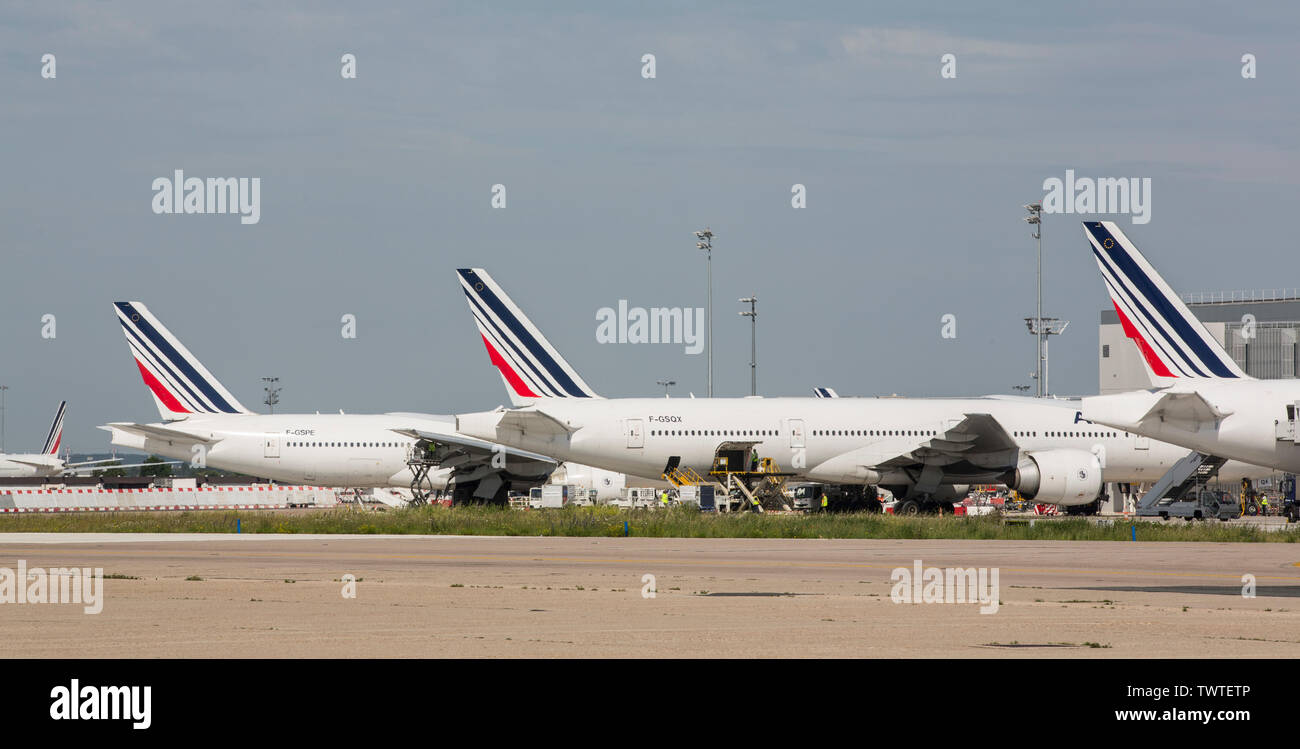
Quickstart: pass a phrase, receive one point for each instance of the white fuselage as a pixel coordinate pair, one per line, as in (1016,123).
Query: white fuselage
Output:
(26,465)
(343,450)
(834,440)
(1255,409)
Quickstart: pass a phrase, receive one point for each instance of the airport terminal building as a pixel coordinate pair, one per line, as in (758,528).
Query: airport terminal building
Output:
(1258,328)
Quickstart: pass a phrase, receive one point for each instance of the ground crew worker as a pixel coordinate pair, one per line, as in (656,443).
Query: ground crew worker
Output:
(753,462)
(825,502)
(1263,504)
(756,506)
(663,498)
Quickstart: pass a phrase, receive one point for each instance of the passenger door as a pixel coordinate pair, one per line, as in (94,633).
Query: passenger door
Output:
(796,433)
(635,433)
(271,446)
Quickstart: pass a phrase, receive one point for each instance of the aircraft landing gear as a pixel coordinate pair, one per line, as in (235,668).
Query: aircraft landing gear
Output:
(907,507)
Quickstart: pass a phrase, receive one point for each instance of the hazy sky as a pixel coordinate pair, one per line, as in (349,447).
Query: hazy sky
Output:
(374,190)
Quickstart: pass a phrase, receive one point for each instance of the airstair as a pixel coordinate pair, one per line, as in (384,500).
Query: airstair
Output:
(1181,482)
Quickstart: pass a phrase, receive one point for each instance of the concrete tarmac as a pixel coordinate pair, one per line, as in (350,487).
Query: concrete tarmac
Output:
(458,596)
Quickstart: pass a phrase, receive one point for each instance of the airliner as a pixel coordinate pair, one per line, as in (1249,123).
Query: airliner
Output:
(926,451)
(1200,398)
(206,425)
(47,462)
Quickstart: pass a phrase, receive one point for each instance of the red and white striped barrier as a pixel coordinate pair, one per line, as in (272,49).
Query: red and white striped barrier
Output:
(257,496)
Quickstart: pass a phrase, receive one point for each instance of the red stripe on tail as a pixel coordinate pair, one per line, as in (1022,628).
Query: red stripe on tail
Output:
(511,376)
(1148,353)
(161,392)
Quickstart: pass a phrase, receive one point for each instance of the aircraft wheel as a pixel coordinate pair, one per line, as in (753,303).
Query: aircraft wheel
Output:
(907,507)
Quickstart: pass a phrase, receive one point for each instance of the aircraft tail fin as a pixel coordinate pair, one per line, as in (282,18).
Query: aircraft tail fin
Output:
(179,382)
(1174,344)
(55,437)
(528,363)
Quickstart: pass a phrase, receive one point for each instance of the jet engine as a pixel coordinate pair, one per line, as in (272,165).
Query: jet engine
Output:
(1059,477)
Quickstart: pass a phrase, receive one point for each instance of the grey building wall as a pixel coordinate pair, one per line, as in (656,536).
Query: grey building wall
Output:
(1271,353)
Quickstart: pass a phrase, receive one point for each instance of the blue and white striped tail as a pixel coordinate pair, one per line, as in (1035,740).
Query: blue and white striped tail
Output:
(1172,341)
(180,384)
(529,364)
(55,437)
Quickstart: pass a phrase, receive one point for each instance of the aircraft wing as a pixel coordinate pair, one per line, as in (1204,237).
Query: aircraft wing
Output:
(92,463)
(466,454)
(36,461)
(978,440)
(81,468)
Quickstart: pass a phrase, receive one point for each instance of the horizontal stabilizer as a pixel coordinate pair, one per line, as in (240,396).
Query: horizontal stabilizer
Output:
(156,432)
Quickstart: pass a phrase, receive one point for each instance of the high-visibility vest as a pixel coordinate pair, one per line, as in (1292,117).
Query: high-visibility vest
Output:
(823,500)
